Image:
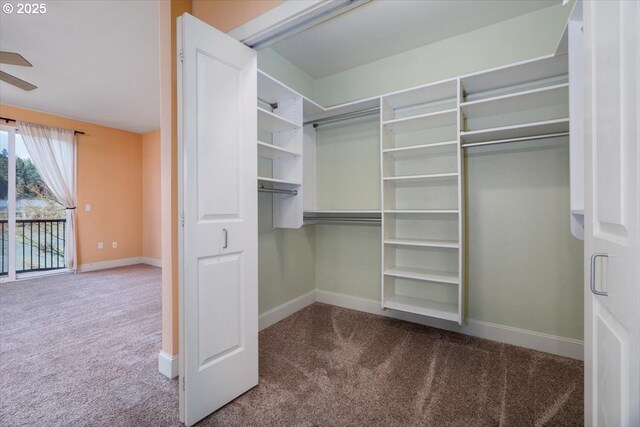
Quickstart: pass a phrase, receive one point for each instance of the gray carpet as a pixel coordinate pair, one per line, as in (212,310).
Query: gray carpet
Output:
(82,350)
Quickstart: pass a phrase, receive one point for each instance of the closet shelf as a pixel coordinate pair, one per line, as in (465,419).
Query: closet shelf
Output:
(273,91)
(423,307)
(421,122)
(422,150)
(519,101)
(434,93)
(270,151)
(429,177)
(529,73)
(421,211)
(516,131)
(271,122)
(423,274)
(278,183)
(454,244)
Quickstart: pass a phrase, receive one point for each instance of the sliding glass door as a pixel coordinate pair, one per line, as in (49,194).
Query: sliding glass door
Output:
(32,221)
(6,134)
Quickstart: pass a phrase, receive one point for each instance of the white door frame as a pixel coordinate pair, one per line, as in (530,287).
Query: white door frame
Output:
(290,14)
(11,203)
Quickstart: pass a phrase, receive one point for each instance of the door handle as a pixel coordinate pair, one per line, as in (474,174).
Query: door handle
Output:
(592,277)
(226,238)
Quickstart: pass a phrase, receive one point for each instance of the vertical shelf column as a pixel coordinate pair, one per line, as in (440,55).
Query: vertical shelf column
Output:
(280,150)
(422,166)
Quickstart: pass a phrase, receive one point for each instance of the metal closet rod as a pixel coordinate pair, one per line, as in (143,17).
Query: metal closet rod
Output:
(273,105)
(505,141)
(277,191)
(344,116)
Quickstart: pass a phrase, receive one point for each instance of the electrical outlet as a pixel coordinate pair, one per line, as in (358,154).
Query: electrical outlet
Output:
(87,207)
(114,245)
(100,245)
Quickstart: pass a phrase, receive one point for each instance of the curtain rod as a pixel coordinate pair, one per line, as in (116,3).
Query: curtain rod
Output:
(7,120)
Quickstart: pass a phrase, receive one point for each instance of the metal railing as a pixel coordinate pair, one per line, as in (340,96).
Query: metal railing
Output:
(39,245)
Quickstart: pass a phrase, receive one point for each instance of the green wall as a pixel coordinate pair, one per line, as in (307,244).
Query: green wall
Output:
(528,36)
(286,259)
(524,268)
(525,37)
(279,68)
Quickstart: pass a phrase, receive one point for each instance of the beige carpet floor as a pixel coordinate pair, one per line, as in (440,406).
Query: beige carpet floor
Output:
(82,351)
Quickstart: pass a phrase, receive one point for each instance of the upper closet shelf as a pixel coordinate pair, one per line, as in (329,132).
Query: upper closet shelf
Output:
(270,122)
(272,91)
(528,130)
(424,121)
(526,100)
(270,151)
(435,93)
(508,79)
(314,112)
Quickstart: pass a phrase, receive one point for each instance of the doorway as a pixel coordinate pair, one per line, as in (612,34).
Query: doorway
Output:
(32,222)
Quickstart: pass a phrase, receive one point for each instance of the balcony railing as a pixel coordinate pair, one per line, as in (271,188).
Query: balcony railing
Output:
(39,245)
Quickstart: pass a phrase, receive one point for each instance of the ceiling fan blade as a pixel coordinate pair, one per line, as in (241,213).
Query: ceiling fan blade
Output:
(19,83)
(13,58)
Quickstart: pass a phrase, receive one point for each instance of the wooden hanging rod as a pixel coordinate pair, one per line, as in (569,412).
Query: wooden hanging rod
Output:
(7,120)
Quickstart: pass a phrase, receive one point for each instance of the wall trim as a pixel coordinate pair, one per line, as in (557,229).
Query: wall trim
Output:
(168,364)
(285,310)
(151,261)
(113,263)
(547,343)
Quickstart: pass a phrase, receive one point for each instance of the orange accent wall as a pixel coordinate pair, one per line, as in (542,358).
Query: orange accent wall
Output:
(151,220)
(226,15)
(109,178)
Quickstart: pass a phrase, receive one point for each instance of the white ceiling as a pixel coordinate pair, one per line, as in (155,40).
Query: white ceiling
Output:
(383,28)
(96,61)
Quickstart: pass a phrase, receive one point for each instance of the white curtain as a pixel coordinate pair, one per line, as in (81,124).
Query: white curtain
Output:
(52,152)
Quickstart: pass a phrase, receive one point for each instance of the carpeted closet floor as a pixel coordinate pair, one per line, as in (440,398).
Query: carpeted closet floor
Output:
(82,351)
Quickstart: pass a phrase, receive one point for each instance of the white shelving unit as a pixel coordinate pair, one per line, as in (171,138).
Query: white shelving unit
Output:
(280,150)
(423,132)
(421,183)
(522,102)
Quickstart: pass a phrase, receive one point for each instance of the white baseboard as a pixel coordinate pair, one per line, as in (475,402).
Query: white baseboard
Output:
(103,265)
(168,365)
(560,346)
(151,261)
(285,310)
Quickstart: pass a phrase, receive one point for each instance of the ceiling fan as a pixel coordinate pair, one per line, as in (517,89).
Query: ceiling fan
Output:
(12,58)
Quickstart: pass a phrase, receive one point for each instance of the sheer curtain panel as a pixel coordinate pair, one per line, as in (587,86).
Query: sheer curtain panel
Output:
(53,151)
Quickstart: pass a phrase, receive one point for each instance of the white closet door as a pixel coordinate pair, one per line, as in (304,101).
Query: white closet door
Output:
(612,213)
(218,259)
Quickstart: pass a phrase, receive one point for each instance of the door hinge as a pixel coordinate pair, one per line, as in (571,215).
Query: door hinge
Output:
(183,383)
(182,220)
(181,56)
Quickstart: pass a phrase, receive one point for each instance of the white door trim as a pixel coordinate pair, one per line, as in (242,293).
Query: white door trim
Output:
(290,14)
